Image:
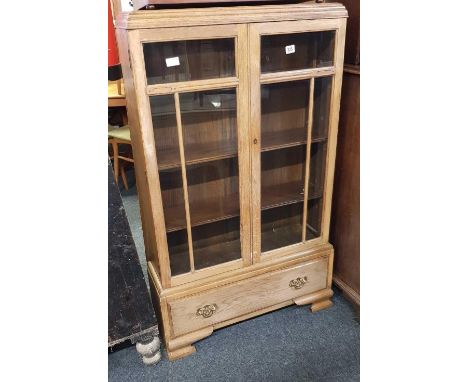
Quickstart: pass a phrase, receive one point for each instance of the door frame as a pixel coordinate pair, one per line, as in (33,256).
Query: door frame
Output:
(256,30)
(146,144)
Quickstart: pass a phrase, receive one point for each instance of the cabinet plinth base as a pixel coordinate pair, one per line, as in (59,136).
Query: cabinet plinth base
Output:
(182,346)
(180,353)
(315,307)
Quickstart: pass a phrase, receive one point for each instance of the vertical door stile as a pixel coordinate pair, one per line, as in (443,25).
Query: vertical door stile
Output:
(255,139)
(307,164)
(184,179)
(144,141)
(242,97)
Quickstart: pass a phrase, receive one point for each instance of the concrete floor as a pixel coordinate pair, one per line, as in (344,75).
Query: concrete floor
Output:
(290,344)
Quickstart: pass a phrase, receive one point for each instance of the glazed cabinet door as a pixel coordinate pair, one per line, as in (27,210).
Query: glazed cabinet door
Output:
(195,82)
(295,86)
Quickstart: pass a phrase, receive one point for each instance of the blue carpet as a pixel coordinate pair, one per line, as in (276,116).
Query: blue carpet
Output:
(290,344)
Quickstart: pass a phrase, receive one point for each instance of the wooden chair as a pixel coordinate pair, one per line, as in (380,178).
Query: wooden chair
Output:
(120,136)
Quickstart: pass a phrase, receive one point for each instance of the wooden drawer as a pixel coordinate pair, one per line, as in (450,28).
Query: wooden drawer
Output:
(246,296)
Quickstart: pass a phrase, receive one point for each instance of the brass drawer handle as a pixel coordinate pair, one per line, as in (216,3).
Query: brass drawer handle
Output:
(298,283)
(207,311)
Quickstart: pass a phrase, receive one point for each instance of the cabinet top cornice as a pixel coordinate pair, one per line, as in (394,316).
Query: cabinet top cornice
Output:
(166,18)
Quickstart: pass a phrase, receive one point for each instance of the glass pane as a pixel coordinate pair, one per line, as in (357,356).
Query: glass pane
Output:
(284,114)
(174,217)
(314,219)
(216,243)
(297,51)
(284,120)
(318,155)
(165,131)
(209,120)
(213,189)
(170,178)
(175,61)
(316,186)
(209,130)
(283,176)
(322,99)
(282,196)
(284,108)
(317,168)
(281,226)
(179,259)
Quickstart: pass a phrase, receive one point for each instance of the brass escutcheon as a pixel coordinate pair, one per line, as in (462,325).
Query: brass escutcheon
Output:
(207,310)
(298,283)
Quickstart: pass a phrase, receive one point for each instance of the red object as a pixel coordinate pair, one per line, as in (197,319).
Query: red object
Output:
(113,53)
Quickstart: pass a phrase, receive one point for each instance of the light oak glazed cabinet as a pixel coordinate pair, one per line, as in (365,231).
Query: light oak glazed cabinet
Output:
(234,114)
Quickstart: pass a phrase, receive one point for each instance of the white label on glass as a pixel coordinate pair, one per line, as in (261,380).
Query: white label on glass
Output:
(216,101)
(290,49)
(172,61)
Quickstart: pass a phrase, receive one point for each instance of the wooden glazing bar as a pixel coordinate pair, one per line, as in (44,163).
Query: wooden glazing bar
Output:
(184,179)
(192,86)
(307,165)
(291,75)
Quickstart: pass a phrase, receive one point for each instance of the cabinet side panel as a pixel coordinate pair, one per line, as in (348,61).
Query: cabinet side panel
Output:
(160,308)
(134,123)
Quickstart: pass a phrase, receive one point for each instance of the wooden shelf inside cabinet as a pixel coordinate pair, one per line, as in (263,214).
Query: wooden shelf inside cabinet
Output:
(210,151)
(187,110)
(202,212)
(169,157)
(284,194)
(274,140)
(212,210)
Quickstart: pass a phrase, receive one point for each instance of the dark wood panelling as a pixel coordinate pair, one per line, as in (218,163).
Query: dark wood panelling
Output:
(344,229)
(352,31)
(130,313)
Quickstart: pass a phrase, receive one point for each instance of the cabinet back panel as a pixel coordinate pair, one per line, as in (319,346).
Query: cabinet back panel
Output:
(209,118)
(283,166)
(213,180)
(210,127)
(284,108)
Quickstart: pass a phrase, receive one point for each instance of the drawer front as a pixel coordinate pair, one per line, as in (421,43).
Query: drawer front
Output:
(246,296)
